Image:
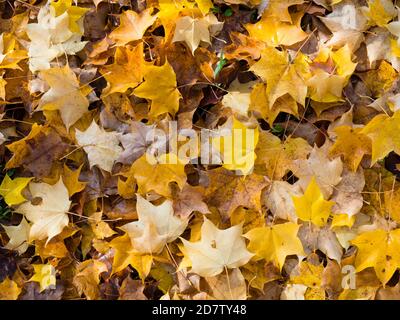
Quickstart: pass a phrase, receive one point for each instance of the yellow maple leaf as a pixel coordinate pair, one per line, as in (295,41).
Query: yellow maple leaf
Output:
(10,54)
(11,189)
(352,145)
(101,146)
(161,88)
(124,255)
(326,84)
(194,31)
(149,171)
(156,226)
(126,71)
(86,279)
(378,249)
(71,180)
(275,243)
(280,9)
(312,206)
(380,12)
(170,11)
(204,5)
(217,249)
(237,145)
(277,156)
(75,13)
(45,275)
(275,32)
(308,274)
(18,235)
(383,131)
(65,95)
(50,216)
(282,76)
(18,148)
(132,26)
(380,80)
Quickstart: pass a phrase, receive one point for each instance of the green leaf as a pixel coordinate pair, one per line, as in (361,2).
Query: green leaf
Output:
(216,10)
(221,63)
(228,12)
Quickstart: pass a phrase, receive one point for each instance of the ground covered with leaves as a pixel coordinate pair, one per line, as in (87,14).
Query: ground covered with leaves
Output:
(309,208)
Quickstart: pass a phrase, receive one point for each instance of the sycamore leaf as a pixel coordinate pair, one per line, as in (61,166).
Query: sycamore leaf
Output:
(126,71)
(278,199)
(307,274)
(332,74)
(124,255)
(149,171)
(380,80)
(135,142)
(86,280)
(275,32)
(347,195)
(100,228)
(166,98)
(71,180)
(45,275)
(236,143)
(380,46)
(239,97)
(282,76)
(132,290)
(380,12)
(325,87)
(190,199)
(280,9)
(50,38)
(75,13)
(194,31)
(275,243)
(49,216)
(352,145)
(101,146)
(312,206)
(230,286)
(156,226)
(11,189)
(227,191)
(346,15)
(278,156)
(18,235)
(378,249)
(324,239)
(10,54)
(38,152)
(383,132)
(65,95)
(218,249)
(327,172)
(132,26)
